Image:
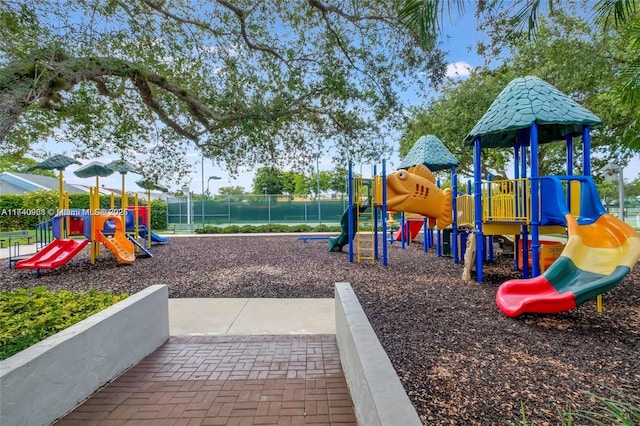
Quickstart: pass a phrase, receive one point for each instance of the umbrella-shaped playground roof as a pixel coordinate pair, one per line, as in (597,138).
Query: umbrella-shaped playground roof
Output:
(57,162)
(123,167)
(430,151)
(149,185)
(95,168)
(525,101)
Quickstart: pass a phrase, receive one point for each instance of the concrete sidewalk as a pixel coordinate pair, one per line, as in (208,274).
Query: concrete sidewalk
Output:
(202,317)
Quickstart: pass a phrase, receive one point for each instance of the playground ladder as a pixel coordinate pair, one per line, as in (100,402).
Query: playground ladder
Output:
(365,236)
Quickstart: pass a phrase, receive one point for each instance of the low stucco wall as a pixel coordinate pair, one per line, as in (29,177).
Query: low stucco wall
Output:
(376,391)
(47,380)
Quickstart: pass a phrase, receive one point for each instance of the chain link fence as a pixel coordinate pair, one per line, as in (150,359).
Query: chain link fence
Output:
(254,209)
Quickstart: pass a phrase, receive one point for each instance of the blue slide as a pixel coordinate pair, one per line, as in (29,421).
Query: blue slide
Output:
(155,238)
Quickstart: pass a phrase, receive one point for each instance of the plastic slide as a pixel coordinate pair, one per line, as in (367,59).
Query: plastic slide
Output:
(600,252)
(414,229)
(53,255)
(119,245)
(155,238)
(140,246)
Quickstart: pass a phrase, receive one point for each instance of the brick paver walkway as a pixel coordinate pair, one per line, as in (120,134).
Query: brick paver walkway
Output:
(227,380)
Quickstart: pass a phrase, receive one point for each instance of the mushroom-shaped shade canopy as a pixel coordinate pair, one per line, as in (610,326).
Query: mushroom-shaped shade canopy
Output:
(95,168)
(57,162)
(149,185)
(123,167)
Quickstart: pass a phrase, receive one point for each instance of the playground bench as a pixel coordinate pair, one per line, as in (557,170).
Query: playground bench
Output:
(10,235)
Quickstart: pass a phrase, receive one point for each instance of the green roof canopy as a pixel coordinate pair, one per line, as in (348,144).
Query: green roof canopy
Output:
(95,168)
(57,162)
(430,151)
(525,101)
(123,167)
(149,185)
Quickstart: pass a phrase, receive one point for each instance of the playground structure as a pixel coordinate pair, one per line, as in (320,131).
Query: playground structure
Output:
(118,233)
(600,250)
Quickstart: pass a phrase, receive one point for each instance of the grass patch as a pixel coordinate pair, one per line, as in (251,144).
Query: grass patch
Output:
(28,316)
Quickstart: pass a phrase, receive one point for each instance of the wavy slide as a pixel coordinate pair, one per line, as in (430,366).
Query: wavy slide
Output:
(53,255)
(414,229)
(118,243)
(600,252)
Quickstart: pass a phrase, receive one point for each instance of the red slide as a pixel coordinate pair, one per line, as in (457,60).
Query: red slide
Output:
(414,228)
(55,254)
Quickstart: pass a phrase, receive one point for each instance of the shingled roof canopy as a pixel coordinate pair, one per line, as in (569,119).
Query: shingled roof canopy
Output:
(527,100)
(430,151)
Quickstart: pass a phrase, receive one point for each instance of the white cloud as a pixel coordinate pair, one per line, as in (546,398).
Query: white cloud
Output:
(458,69)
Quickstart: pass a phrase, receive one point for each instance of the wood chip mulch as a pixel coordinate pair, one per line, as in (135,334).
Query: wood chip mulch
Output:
(459,358)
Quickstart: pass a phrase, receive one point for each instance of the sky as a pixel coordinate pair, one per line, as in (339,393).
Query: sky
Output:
(459,36)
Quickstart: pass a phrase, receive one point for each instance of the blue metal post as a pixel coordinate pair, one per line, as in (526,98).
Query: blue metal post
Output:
(351,230)
(425,237)
(384,214)
(516,175)
(525,230)
(569,140)
(489,240)
(477,201)
(535,204)
(375,213)
(438,233)
(454,207)
(402,230)
(586,151)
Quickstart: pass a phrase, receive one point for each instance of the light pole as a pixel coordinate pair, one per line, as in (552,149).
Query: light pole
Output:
(187,193)
(202,197)
(264,188)
(208,180)
(316,155)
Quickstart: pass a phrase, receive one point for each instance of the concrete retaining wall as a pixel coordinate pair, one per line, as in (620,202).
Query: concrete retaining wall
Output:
(47,380)
(376,391)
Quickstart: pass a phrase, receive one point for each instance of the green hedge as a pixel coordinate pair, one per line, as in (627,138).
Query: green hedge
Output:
(28,316)
(268,228)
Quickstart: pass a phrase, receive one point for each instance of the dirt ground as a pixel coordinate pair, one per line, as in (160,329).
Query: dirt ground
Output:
(460,359)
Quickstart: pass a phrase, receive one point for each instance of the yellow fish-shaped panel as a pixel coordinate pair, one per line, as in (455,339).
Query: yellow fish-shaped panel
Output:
(415,191)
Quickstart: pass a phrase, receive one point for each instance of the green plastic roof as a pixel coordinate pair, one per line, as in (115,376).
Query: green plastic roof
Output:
(123,167)
(95,168)
(57,162)
(527,100)
(431,152)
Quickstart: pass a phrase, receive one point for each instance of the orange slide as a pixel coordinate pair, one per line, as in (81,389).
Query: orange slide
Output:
(118,244)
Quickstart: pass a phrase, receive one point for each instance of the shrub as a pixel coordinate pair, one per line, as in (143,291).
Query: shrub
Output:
(28,316)
(158,214)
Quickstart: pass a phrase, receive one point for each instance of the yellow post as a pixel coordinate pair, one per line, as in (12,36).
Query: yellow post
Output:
(93,243)
(112,201)
(124,200)
(96,209)
(67,219)
(135,221)
(599,303)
